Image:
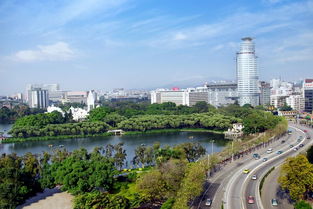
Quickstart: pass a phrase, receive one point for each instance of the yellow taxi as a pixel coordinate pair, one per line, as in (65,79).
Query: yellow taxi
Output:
(246,171)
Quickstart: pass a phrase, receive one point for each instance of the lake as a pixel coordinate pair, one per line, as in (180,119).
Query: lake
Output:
(130,142)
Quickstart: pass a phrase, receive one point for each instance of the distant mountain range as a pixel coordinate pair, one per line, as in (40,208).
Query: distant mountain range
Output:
(194,82)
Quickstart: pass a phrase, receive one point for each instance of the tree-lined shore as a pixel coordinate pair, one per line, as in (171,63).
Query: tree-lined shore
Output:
(139,119)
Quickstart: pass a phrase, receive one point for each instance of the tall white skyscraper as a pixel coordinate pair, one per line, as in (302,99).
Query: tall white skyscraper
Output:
(247,75)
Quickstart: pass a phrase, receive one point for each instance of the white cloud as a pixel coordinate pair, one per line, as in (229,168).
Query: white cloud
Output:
(240,24)
(272,1)
(54,52)
(295,48)
(81,8)
(179,36)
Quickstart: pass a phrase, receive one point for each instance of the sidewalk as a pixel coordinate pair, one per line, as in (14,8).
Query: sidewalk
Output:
(49,199)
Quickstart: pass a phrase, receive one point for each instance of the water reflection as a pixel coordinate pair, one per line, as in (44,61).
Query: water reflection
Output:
(130,142)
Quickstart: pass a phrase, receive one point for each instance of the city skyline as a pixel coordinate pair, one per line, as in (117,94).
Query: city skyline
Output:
(140,44)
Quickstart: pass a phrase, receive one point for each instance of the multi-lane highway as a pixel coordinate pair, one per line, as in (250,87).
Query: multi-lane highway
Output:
(240,185)
(231,186)
(270,189)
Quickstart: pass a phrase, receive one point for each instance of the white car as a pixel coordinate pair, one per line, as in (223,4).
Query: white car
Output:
(270,150)
(254,177)
(208,202)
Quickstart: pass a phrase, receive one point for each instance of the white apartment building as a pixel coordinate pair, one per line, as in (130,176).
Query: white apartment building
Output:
(296,102)
(278,100)
(38,98)
(220,94)
(75,96)
(187,97)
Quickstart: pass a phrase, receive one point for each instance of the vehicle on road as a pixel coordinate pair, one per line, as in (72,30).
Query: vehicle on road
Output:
(270,150)
(256,156)
(301,145)
(295,149)
(254,177)
(274,202)
(291,146)
(308,137)
(246,171)
(305,131)
(251,200)
(208,202)
(283,141)
(299,140)
(265,159)
(279,152)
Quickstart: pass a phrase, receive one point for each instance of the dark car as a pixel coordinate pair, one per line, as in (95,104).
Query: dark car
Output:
(256,156)
(301,145)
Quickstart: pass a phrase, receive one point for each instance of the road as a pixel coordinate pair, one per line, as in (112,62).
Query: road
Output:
(271,186)
(219,188)
(271,189)
(240,185)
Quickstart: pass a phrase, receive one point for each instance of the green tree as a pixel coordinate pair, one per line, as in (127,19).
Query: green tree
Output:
(120,155)
(302,205)
(191,186)
(297,176)
(82,172)
(98,114)
(152,186)
(193,151)
(113,119)
(285,108)
(140,157)
(17,182)
(201,107)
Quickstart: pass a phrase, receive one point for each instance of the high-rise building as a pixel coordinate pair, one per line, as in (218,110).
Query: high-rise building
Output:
(308,95)
(38,98)
(247,75)
(51,88)
(265,93)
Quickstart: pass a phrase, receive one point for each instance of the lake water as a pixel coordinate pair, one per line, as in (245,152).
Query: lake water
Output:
(130,142)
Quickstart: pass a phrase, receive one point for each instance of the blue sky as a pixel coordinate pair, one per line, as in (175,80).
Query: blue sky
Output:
(103,44)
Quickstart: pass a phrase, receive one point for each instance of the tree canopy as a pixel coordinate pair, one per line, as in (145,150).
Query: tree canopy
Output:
(297,176)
